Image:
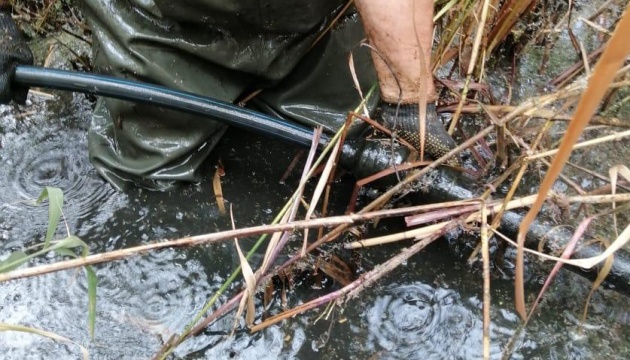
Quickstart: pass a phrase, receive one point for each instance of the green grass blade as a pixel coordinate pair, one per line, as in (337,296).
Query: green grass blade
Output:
(19,257)
(66,252)
(62,248)
(14,260)
(69,243)
(17,260)
(92,282)
(55,204)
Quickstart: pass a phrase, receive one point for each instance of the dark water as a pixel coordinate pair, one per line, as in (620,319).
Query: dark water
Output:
(430,308)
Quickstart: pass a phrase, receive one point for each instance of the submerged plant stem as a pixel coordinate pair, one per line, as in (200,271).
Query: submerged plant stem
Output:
(353,288)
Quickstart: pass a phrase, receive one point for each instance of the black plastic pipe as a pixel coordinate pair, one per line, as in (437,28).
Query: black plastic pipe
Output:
(444,184)
(447,185)
(109,86)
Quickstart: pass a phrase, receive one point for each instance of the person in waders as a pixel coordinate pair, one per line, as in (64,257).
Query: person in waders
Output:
(296,52)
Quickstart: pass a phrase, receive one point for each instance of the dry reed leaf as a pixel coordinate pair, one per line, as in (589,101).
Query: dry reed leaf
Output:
(415,234)
(51,51)
(587,263)
(601,275)
(614,173)
(497,205)
(268,294)
(323,179)
(44,333)
(508,15)
(342,141)
(595,26)
(446,8)
(425,77)
(566,254)
(250,282)
(218,189)
(472,64)
(273,242)
(336,269)
(486,280)
(612,137)
(292,165)
(439,214)
(362,182)
(452,30)
(357,85)
(290,215)
(605,70)
(250,290)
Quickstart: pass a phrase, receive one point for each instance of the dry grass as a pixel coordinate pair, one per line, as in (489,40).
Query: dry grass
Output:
(473,34)
(46,17)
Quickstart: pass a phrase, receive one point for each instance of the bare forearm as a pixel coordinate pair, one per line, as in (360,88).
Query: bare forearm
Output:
(390,28)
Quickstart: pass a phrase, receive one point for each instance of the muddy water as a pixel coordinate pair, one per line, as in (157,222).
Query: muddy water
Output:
(430,308)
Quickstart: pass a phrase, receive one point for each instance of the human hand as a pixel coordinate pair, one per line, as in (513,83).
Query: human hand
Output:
(13,51)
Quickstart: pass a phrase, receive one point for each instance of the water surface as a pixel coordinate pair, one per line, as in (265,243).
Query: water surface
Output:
(430,308)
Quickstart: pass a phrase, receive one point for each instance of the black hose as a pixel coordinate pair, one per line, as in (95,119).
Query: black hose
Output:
(108,86)
(444,184)
(447,185)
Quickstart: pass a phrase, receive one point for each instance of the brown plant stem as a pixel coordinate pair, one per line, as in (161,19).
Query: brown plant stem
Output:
(355,287)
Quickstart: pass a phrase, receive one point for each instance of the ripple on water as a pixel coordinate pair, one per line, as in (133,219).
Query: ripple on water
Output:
(418,321)
(55,157)
(149,299)
(139,302)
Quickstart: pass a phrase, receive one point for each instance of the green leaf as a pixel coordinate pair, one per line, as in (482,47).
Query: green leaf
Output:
(18,258)
(66,252)
(69,243)
(14,260)
(62,248)
(55,204)
(92,282)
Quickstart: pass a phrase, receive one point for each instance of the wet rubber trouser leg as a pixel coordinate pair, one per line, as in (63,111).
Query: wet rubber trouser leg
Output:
(214,48)
(141,143)
(320,90)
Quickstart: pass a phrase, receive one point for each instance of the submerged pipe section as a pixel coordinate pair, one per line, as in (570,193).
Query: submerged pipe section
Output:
(448,185)
(444,184)
(363,157)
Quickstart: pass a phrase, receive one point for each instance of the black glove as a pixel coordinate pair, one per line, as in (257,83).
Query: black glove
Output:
(13,51)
